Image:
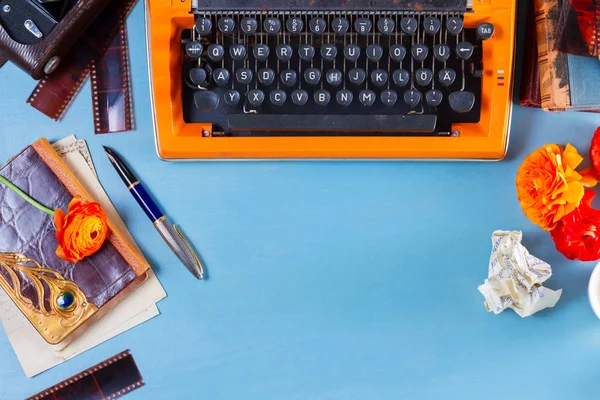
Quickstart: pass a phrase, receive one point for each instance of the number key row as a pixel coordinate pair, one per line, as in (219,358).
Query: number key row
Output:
(318,25)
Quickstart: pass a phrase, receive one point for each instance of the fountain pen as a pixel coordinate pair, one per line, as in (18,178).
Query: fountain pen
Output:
(173,236)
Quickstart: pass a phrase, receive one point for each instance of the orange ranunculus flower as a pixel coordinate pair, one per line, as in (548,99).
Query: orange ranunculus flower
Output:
(548,187)
(81,232)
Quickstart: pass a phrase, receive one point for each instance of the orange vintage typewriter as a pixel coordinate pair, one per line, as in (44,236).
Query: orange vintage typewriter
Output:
(331,79)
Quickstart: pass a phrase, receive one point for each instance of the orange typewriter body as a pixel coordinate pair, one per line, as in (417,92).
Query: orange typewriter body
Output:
(177,140)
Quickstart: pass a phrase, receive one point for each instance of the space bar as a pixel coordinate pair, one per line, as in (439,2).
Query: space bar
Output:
(332,123)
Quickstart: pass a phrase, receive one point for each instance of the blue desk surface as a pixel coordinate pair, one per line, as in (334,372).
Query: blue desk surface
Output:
(328,281)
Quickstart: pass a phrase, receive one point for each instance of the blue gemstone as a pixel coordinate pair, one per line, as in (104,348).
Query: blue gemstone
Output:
(65,300)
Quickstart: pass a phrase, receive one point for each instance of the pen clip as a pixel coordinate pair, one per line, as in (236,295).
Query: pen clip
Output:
(187,244)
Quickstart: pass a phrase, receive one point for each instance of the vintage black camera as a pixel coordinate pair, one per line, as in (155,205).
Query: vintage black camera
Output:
(35,34)
(29,21)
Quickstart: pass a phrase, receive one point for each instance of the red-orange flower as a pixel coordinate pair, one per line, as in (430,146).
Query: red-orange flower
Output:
(548,187)
(577,235)
(81,232)
(595,150)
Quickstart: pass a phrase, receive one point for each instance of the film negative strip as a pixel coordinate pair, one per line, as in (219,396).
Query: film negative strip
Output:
(53,94)
(111,87)
(108,380)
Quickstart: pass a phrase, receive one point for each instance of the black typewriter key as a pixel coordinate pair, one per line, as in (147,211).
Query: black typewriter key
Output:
(379,77)
(397,52)
(334,77)
(446,76)
(485,31)
(272,25)
(423,76)
(461,102)
(409,25)
(256,97)
(400,77)
(357,76)
(221,76)
(203,25)
(317,26)
(312,76)
(454,25)
(386,26)
(244,76)
(374,52)
(344,97)
(284,52)
(329,52)
(266,76)
(226,25)
(198,76)
(249,25)
(464,50)
(389,97)
(322,97)
(216,52)
(441,52)
(306,52)
(431,25)
(367,97)
(277,97)
(194,49)
(206,100)
(299,97)
(237,52)
(363,26)
(434,97)
(294,25)
(413,97)
(419,52)
(289,77)
(261,52)
(351,52)
(232,97)
(340,26)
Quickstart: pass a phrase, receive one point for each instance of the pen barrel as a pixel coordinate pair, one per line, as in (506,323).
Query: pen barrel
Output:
(140,194)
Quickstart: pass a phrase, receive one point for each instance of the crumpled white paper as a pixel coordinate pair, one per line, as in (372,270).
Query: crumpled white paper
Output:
(515,278)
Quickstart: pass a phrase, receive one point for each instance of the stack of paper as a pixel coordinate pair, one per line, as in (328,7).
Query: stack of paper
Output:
(33,352)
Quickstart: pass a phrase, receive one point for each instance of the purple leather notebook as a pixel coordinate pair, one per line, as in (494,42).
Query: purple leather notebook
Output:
(25,230)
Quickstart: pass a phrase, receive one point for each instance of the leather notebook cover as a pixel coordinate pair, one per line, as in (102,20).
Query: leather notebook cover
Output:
(530,86)
(100,281)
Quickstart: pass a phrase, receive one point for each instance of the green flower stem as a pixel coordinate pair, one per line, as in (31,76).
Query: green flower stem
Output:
(25,196)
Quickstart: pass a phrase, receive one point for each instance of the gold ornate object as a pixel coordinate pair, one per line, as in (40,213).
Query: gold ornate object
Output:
(69,307)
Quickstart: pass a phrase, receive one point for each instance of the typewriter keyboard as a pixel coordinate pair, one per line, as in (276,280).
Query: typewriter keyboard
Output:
(315,73)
